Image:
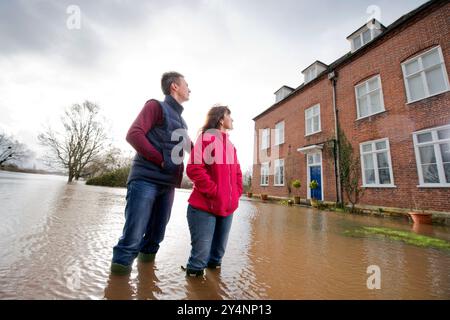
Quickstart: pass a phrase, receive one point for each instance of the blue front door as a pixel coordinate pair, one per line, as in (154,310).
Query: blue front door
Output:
(315,174)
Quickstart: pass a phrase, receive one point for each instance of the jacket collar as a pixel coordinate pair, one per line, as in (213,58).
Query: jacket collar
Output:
(174,104)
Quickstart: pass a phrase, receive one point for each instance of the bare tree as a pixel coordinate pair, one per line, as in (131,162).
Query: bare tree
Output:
(81,141)
(11,150)
(110,160)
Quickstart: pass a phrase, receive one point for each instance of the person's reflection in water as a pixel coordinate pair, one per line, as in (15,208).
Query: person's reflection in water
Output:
(119,288)
(208,287)
(147,281)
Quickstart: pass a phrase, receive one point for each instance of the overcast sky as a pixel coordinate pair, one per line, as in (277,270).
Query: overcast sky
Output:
(233,52)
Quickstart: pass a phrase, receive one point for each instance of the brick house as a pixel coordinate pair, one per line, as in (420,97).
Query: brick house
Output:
(390,96)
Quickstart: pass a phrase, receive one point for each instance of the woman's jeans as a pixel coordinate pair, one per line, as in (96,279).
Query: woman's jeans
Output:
(146,215)
(209,237)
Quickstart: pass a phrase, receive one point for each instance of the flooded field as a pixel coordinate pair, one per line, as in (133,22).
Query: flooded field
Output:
(56,243)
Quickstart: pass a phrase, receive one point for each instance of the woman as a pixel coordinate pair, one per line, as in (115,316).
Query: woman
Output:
(217,178)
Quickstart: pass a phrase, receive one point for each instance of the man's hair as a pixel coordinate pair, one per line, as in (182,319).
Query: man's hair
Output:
(167,79)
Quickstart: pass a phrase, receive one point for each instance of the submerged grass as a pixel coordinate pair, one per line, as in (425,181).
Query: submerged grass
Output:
(399,235)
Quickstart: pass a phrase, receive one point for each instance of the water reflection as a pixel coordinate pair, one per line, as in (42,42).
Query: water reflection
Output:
(56,243)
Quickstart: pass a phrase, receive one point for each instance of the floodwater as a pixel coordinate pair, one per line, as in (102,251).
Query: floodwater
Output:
(56,243)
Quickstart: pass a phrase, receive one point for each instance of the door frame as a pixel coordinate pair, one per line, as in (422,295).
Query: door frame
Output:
(308,173)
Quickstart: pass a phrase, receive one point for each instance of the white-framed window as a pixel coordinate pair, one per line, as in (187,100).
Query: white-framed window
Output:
(425,75)
(369,97)
(265,138)
(279,172)
(432,149)
(376,164)
(310,74)
(362,38)
(312,119)
(264,174)
(279,133)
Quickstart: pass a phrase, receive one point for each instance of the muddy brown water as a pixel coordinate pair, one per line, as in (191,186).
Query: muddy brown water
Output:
(56,243)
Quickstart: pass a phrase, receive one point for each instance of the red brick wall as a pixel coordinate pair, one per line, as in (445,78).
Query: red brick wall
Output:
(400,119)
(429,28)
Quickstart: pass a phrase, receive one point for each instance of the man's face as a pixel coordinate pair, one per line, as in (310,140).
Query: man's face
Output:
(181,89)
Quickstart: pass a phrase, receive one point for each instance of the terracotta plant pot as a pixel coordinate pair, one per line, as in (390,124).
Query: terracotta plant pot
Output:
(296,200)
(264,196)
(421,217)
(249,194)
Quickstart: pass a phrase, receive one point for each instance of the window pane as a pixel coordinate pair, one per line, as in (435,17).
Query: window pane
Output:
(416,89)
(382,160)
(368,161)
(445,152)
(424,137)
(361,90)
(317,158)
(373,84)
(385,178)
(430,59)
(357,42)
(316,124)
(447,172)
(315,110)
(370,176)
(427,155)
(380,145)
(367,147)
(363,107)
(281,175)
(375,102)
(308,126)
(444,134)
(412,67)
(430,173)
(310,159)
(366,36)
(435,80)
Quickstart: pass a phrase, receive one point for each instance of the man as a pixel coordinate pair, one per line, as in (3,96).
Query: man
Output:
(153,175)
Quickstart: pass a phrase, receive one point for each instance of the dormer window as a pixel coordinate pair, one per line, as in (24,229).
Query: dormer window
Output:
(365,34)
(311,72)
(282,93)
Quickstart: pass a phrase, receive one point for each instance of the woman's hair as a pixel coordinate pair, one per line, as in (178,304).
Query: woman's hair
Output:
(215,114)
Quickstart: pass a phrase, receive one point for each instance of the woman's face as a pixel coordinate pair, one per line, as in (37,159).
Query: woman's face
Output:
(227,122)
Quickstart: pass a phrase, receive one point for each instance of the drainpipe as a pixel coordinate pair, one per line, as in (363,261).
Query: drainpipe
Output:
(332,76)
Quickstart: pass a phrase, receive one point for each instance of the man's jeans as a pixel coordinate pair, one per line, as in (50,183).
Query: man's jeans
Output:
(146,215)
(209,237)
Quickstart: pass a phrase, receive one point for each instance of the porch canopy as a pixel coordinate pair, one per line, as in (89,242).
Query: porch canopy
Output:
(311,149)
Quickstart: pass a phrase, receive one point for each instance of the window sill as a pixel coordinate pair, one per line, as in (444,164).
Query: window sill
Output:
(436,94)
(436,185)
(373,114)
(388,186)
(278,185)
(311,134)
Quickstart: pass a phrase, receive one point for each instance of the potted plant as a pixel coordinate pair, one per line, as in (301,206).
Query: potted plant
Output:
(296,184)
(313,185)
(264,195)
(418,214)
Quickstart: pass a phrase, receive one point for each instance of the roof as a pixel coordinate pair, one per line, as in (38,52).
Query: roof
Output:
(374,21)
(292,89)
(350,55)
(317,61)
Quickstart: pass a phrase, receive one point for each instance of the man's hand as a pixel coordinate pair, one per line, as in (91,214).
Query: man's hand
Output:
(162,165)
